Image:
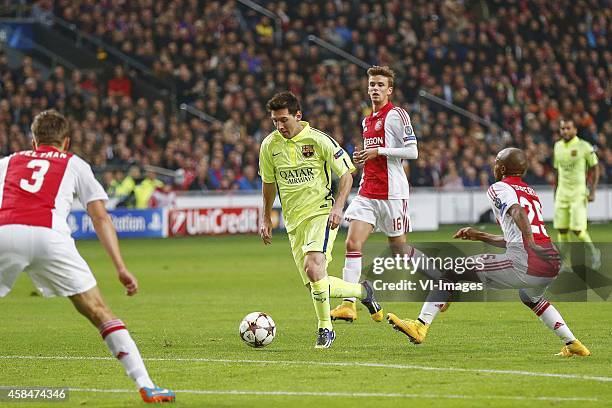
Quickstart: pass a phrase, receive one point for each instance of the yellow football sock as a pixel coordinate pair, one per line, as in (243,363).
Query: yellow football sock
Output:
(320,299)
(586,238)
(339,288)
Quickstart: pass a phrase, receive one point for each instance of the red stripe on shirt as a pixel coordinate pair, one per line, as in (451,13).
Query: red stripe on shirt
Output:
(403,115)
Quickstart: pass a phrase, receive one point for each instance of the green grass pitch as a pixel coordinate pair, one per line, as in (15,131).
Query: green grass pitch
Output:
(195,291)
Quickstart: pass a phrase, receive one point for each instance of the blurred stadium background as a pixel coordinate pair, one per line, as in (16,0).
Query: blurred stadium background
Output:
(166,98)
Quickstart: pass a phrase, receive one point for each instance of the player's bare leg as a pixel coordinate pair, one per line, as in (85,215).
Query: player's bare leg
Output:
(398,245)
(114,333)
(549,315)
(358,233)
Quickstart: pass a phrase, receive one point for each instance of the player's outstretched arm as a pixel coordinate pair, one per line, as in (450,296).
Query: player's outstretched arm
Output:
(268,192)
(344,188)
(472,234)
(107,235)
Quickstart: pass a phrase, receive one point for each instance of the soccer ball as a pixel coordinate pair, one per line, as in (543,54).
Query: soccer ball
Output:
(257,329)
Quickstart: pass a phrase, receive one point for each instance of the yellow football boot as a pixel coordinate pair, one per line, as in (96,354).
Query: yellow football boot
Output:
(346,311)
(575,348)
(414,329)
(378,316)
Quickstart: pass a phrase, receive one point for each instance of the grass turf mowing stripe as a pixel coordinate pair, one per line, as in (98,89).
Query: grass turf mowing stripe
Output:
(337,364)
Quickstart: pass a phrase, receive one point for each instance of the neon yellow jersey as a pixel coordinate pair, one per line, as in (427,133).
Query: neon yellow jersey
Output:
(301,168)
(572,161)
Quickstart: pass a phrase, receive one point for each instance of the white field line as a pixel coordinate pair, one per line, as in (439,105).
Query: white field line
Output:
(335,364)
(346,394)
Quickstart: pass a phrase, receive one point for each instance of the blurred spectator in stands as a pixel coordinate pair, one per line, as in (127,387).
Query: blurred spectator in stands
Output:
(90,84)
(110,183)
(250,180)
(485,179)
(185,83)
(146,188)
(201,182)
(420,174)
(265,30)
(229,182)
(163,197)
(42,12)
(536,176)
(216,172)
(119,84)
(452,181)
(470,177)
(125,190)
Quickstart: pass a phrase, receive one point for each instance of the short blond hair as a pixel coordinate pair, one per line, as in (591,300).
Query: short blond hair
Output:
(384,71)
(50,128)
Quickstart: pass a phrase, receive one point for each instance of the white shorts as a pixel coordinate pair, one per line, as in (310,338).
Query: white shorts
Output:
(499,271)
(50,259)
(389,216)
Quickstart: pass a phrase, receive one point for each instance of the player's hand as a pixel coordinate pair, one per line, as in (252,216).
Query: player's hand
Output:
(591,196)
(362,156)
(265,230)
(467,233)
(335,218)
(129,281)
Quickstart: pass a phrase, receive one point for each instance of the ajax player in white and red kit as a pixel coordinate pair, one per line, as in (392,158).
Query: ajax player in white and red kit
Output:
(530,263)
(382,200)
(37,188)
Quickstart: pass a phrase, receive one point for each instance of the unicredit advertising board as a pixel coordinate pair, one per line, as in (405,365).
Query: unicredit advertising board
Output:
(213,221)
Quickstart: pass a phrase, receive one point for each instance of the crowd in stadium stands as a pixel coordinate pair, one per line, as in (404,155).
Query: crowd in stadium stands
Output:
(523,65)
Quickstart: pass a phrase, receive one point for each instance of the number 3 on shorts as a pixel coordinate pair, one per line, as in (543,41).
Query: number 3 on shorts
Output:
(41,167)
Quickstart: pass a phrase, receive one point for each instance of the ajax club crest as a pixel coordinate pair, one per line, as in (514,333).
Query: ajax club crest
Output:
(378,125)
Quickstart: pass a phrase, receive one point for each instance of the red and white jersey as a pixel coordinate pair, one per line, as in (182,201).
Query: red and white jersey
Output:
(37,188)
(384,177)
(504,194)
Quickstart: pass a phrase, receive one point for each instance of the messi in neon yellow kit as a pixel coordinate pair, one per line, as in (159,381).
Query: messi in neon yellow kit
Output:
(573,159)
(297,160)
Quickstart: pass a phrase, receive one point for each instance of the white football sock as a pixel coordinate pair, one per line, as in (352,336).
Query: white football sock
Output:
(121,345)
(553,320)
(352,269)
(430,310)
(436,299)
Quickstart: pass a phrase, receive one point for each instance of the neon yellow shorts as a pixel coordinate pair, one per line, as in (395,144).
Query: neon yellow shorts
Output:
(571,214)
(312,235)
